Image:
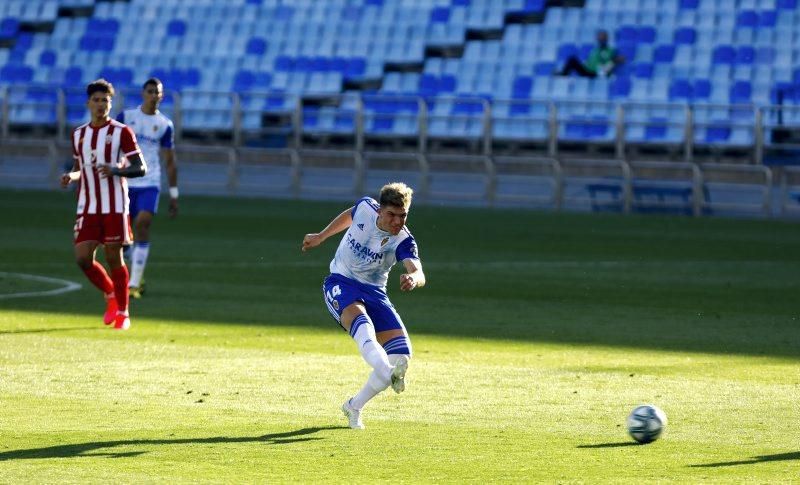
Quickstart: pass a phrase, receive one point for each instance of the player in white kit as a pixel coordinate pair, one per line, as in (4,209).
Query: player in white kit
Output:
(355,291)
(156,135)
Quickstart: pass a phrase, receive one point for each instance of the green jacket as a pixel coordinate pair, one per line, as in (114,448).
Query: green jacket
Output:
(600,57)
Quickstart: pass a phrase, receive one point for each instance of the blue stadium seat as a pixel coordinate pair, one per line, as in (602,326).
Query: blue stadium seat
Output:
(664,54)
(73,76)
(9,27)
(685,35)
(16,74)
(741,92)
(544,68)
(567,50)
(719,131)
(745,54)
(47,58)
(440,15)
(680,90)
(619,88)
(642,70)
(724,54)
(747,18)
(356,68)
(256,46)
(522,87)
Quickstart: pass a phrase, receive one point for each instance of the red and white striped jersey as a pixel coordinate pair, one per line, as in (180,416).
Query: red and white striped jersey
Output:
(93,146)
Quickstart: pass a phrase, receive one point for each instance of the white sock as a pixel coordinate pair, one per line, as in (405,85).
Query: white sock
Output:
(372,388)
(395,358)
(363,332)
(138,261)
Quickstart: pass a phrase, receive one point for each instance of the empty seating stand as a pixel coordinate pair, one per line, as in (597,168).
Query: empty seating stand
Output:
(718,59)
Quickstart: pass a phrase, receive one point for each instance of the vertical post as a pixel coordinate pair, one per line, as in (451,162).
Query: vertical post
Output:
(177,118)
(237,120)
(297,123)
(424,174)
(61,115)
(552,144)
(697,191)
(767,191)
(422,117)
(4,127)
(758,156)
(558,190)
(688,135)
(627,187)
(487,127)
(359,174)
(296,171)
(491,179)
(52,155)
(233,170)
(359,124)
(620,132)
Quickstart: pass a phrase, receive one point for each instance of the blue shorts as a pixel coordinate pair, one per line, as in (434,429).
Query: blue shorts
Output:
(340,291)
(143,199)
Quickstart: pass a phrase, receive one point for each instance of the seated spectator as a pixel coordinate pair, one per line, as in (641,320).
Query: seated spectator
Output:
(602,61)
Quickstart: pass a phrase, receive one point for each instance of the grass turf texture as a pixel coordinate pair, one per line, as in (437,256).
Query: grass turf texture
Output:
(535,337)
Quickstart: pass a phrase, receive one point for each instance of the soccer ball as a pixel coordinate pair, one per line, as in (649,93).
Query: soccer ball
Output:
(646,422)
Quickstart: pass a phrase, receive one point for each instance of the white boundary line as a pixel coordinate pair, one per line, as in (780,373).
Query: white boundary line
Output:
(66,288)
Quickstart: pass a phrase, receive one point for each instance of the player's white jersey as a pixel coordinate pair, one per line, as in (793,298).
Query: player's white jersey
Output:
(366,253)
(153,132)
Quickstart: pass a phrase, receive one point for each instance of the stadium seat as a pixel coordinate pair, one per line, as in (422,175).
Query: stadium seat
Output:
(685,35)
(9,27)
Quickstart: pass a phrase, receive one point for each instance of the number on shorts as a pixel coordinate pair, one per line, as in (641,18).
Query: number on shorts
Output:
(333,293)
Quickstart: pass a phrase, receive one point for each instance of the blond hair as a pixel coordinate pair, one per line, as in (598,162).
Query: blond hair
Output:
(396,194)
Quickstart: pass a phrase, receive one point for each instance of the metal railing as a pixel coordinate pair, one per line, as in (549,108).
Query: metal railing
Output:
(733,187)
(279,119)
(545,183)
(790,191)
(32,163)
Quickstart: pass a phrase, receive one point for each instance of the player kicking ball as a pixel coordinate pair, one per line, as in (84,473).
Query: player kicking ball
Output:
(355,291)
(105,155)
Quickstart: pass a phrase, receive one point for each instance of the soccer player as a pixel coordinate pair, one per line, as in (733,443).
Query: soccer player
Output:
(355,291)
(105,155)
(155,134)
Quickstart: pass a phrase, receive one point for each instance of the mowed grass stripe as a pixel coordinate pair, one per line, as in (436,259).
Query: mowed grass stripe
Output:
(535,337)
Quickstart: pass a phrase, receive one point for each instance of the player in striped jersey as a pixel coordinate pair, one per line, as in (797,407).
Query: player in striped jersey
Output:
(155,134)
(355,291)
(106,154)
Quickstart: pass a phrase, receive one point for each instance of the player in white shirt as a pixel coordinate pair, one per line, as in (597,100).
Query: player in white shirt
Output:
(156,136)
(355,291)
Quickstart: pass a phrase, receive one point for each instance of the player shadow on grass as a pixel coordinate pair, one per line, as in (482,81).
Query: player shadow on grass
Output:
(85,449)
(48,330)
(752,461)
(610,445)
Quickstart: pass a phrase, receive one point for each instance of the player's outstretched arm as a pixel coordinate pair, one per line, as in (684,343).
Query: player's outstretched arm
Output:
(136,168)
(414,277)
(337,225)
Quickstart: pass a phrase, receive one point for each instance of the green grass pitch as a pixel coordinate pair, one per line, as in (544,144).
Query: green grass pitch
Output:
(535,337)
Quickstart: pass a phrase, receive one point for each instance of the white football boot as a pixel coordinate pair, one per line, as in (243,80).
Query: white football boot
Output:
(353,415)
(399,375)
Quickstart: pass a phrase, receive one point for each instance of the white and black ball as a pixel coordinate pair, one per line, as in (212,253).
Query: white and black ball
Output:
(646,423)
